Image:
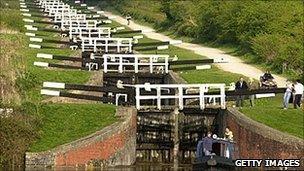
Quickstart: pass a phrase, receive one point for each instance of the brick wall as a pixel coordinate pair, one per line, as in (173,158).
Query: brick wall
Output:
(113,145)
(256,140)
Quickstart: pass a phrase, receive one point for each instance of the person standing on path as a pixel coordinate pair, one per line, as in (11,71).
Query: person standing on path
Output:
(298,92)
(252,86)
(128,17)
(287,94)
(240,86)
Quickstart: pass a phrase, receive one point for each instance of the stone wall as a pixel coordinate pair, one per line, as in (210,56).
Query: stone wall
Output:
(256,140)
(114,145)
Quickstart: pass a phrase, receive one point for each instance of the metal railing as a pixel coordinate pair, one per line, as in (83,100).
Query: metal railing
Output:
(89,32)
(120,44)
(181,93)
(136,62)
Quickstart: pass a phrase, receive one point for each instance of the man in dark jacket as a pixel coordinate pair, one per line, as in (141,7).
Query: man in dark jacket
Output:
(240,86)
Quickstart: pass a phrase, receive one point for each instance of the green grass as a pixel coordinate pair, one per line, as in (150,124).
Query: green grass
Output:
(63,123)
(269,112)
(213,75)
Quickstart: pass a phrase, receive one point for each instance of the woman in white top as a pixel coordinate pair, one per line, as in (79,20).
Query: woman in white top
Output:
(287,94)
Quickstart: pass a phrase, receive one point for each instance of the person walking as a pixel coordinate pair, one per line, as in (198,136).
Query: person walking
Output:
(240,86)
(287,94)
(298,92)
(128,17)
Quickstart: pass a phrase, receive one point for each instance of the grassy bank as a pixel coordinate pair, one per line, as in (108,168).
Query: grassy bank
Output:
(50,124)
(269,112)
(63,123)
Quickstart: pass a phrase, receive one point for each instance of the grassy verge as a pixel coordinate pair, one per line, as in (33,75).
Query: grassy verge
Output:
(58,123)
(63,123)
(269,112)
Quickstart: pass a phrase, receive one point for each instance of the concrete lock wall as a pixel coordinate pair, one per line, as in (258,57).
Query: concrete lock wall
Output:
(256,140)
(114,145)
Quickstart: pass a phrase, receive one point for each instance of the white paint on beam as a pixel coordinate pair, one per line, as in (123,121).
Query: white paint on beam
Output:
(175,42)
(220,60)
(90,8)
(35,39)
(77,2)
(28,20)
(35,46)
(264,95)
(162,47)
(50,92)
(100,12)
(32,28)
(203,67)
(26,14)
(41,64)
(95,16)
(44,55)
(120,28)
(54,85)
(107,21)
(23,6)
(83,5)
(30,34)
(24,10)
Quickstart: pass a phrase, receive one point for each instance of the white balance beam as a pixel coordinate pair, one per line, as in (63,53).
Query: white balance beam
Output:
(44,55)
(54,85)
(50,92)
(35,46)
(199,67)
(35,39)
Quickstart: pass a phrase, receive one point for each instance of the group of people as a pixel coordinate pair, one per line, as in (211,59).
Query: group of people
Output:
(293,93)
(242,85)
(205,146)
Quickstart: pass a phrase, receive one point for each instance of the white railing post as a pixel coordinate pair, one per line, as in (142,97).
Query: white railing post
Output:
(118,45)
(137,95)
(166,65)
(82,45)
(180,98)
(106,45)
(136,64)
(158,94)
(95,45)
(201,97)
(120,66)
(223,105)
(105,63)
(130,46)
(151,64)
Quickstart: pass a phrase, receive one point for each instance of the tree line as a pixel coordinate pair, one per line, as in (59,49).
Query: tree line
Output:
(270,32)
